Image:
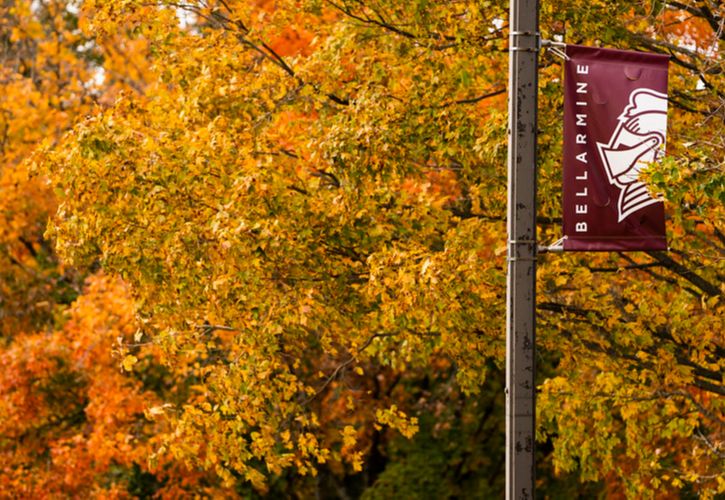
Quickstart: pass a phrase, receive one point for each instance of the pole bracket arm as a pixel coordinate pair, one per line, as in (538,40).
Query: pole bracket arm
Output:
(532,37)
(556,48)
(556,247)
(521,250)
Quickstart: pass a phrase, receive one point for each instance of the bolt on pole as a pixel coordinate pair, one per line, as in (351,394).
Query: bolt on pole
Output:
(521,228)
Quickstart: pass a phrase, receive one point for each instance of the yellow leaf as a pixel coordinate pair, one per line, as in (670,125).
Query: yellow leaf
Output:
(128,362)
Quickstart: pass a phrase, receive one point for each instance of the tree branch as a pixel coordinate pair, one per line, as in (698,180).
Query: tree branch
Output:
(677,268)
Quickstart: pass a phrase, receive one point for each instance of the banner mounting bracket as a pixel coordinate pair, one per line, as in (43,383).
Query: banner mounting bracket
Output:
(513,38)
(556,48)
(556,247)
(513,254)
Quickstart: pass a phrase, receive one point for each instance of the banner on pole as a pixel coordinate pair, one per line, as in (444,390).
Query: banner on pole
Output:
(615,124)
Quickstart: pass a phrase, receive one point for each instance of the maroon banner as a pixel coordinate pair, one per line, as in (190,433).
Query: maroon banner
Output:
(615,125)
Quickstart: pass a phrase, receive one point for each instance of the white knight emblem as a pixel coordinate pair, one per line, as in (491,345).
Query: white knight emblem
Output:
(638,140)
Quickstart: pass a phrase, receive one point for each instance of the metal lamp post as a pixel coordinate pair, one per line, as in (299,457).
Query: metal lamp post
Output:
(521,228)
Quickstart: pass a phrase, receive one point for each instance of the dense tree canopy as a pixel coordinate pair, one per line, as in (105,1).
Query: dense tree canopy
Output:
(275,255)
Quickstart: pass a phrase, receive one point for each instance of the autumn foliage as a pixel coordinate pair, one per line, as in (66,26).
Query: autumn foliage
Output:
(256,248)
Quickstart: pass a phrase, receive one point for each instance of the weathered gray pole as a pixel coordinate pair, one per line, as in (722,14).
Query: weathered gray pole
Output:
(521,278)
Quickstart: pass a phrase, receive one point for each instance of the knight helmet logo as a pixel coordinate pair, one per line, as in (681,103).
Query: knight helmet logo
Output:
(637,141)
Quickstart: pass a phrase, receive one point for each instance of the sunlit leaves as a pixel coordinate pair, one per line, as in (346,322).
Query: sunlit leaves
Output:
(307,201)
